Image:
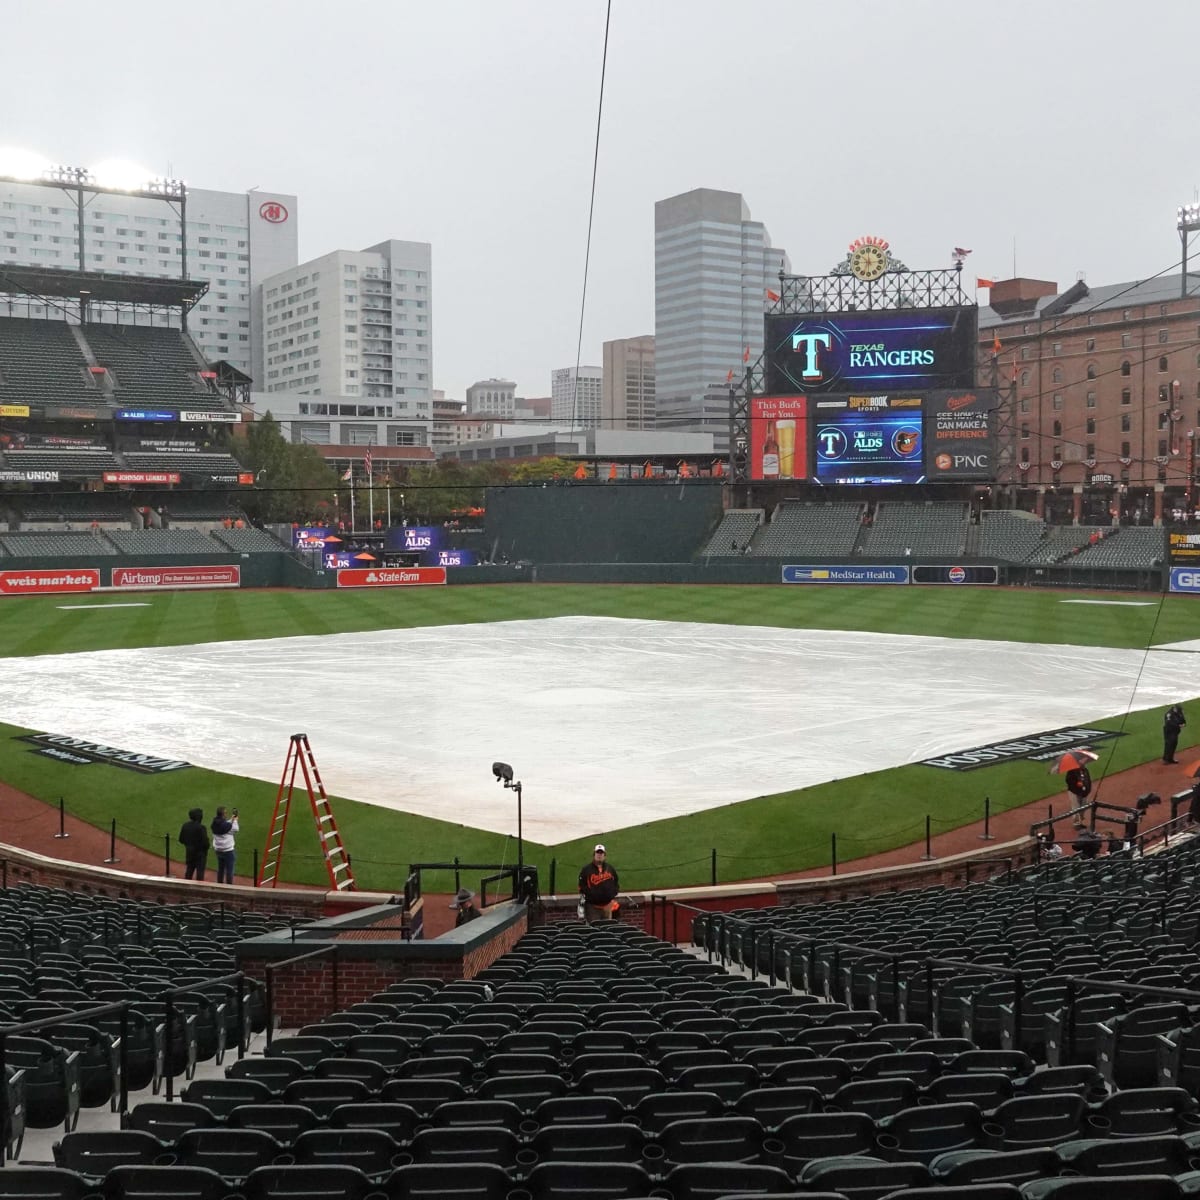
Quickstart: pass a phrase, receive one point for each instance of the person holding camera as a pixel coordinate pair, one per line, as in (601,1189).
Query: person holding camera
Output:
(223,844)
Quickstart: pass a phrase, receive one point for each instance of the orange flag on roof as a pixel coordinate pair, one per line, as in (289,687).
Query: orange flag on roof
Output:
(987,283)
(581,472)
(718,468)
(746,355)
(612,470)
(647,471)
(772,296)
(729,376)
(996,344)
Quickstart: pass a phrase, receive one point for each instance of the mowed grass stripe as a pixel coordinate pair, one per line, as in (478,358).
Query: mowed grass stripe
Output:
(35,625)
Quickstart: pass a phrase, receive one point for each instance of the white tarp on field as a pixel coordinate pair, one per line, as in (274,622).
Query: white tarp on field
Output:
(608,722)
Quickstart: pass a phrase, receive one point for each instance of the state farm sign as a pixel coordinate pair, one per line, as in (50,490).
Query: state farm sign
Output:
(35,583)
(390,576)
(138,578)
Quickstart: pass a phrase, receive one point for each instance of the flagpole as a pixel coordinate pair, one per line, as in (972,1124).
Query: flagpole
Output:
(371,498)
(389,503)
(353,521)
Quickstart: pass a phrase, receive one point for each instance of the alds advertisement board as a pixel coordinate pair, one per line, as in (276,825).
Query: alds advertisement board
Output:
(873,352)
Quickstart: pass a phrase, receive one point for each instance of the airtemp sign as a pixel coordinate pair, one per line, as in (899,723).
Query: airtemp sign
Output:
(813,353)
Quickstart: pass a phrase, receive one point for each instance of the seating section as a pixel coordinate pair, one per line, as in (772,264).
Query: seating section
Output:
(151,368)
(80,463)
(921,529)
(75,507)
(42,363)
(163,541)
(249,541)
(1009,535)
(733,534)
(78,546)
(800,529)
(197,462)
(1130,546)
(832,1060)
(1062,541)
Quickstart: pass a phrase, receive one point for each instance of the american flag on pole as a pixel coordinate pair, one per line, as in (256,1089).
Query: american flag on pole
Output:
(349,475)
(367,462)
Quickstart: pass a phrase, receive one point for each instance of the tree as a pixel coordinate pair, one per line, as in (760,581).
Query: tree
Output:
(293,481)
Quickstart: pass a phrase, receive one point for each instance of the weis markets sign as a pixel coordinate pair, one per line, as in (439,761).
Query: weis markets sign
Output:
(72,749)
(34,583)
(1038,746)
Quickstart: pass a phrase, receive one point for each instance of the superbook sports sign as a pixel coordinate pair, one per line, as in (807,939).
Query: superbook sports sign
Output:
(812,353)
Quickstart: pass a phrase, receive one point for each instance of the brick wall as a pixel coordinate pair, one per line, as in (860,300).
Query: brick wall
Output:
(310,991)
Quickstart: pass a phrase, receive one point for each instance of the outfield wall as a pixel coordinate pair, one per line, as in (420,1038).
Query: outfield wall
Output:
(649,521)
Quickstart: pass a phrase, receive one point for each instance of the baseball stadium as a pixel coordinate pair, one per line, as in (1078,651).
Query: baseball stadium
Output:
(873,722)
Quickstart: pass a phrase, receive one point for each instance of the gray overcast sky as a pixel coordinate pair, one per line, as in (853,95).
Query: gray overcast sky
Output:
(1068,125)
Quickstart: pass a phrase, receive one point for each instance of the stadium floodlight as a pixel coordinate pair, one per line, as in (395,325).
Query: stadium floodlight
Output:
(504,774)
(16,163)
(166,187)
(71,176)
(120,175)
(1187,220)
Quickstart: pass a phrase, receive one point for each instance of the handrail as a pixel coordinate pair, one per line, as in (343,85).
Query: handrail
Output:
(330,950)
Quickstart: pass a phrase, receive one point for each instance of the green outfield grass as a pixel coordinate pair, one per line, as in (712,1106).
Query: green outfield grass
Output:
(764,836)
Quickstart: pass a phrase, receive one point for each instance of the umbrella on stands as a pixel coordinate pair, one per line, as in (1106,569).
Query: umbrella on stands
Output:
(1073,760)
(364,557)
(332,537)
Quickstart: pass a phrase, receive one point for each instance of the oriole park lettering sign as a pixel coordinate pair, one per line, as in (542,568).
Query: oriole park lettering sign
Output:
(390,576)
(1037,746)
(71,749)
(35,583)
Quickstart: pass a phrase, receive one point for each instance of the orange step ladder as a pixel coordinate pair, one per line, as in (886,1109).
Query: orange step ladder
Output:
(337,862)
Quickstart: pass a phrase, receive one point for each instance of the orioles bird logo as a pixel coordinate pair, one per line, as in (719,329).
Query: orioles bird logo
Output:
(905,442)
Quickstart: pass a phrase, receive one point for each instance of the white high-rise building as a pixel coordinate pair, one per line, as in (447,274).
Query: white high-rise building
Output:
(495,397)
(356,327)
(234,241)
(579,406)
(712,268)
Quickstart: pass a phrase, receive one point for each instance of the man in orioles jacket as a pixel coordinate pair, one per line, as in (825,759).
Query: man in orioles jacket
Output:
(598,888)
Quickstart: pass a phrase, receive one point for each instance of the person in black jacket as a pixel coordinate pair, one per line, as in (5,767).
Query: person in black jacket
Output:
(598,887)
(464,902)
(194,839)
(1173,722)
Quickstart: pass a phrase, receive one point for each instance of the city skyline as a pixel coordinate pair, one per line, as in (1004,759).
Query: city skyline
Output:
(475,161)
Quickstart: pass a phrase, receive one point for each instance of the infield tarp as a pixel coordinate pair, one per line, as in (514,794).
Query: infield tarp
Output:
(608,722)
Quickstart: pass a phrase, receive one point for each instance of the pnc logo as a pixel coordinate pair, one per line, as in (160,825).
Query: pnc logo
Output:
(943,462)
(273,212)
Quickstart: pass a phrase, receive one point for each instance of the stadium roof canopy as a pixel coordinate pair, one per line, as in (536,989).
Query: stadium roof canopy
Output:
(100,287)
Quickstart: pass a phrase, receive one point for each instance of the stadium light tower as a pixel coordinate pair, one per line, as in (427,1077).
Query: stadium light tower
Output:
(1187,220)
